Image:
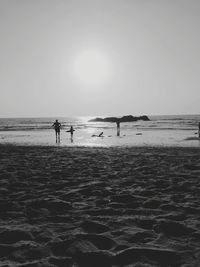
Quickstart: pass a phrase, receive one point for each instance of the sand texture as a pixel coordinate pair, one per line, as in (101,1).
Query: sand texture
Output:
(99,207)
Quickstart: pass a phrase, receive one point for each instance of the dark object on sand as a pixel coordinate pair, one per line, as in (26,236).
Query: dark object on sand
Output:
(138,133)
(128,118)
(98,135)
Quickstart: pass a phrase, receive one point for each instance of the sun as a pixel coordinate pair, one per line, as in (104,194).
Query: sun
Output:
(91,67)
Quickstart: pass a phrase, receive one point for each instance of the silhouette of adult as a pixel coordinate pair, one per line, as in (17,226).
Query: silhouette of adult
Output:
(57,126)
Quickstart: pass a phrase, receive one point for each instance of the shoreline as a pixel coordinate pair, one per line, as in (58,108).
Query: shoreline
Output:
(99,146)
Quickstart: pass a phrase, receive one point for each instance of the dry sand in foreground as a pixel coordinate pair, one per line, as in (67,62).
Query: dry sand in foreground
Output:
(99,207)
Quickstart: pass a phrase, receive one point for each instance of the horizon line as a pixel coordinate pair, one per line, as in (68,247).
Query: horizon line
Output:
(80,116)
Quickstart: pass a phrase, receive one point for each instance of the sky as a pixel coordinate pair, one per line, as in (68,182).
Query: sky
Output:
(99,57)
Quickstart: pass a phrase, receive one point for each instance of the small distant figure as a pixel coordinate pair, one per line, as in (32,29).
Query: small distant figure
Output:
(199,130)
(71,131)
(57,126)
(118,127)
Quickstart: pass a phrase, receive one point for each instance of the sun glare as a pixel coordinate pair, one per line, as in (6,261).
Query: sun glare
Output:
(91,67)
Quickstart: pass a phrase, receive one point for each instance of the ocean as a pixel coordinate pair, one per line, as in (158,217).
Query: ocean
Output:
(173,130)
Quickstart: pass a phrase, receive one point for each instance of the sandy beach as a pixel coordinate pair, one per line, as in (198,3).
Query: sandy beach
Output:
(99,207)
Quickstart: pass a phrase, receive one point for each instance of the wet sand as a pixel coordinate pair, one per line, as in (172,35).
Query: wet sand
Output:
(99,207)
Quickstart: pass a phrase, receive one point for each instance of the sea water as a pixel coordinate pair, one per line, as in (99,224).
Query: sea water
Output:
(176,130)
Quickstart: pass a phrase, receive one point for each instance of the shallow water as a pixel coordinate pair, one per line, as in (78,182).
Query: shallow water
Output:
(160,131)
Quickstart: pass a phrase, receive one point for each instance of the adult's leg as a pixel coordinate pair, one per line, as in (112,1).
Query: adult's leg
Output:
(58,136)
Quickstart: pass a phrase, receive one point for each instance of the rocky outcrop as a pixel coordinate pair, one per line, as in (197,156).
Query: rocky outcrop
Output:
(128,118)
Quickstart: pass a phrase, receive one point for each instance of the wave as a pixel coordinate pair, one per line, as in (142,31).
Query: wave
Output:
(156,128)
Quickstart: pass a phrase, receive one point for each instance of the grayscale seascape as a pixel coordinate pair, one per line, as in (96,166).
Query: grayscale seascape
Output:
(99,133)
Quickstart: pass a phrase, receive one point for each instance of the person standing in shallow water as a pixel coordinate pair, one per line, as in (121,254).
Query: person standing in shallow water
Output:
(57,126)
(118,127)
(199,130)
(71,131)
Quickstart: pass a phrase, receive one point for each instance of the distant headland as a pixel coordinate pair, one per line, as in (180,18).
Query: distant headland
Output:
(128,118)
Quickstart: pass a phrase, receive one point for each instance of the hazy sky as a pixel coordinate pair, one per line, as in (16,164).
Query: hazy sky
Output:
(105,57)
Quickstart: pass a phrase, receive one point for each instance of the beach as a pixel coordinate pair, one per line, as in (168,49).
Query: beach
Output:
(99,207)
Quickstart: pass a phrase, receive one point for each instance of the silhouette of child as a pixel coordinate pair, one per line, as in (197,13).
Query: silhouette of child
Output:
(71,131)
